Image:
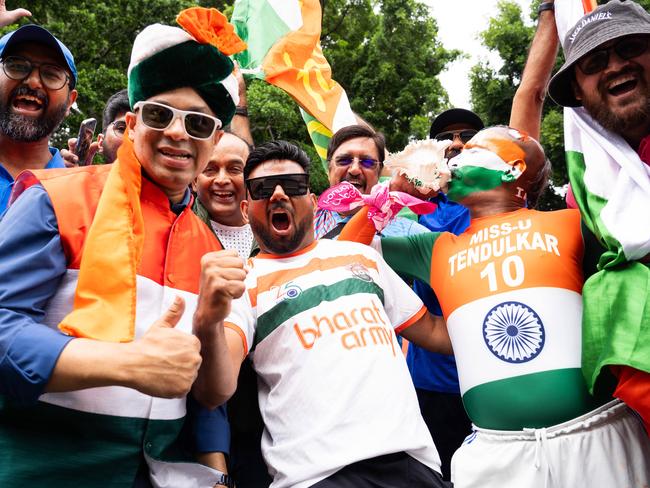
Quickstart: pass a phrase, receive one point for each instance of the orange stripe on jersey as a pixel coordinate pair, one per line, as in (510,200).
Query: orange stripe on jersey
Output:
(252,295)
(417,316)
(266,282)
(242,336)
(522,249)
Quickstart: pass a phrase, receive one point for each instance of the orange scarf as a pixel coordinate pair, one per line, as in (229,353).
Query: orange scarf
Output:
(105,298)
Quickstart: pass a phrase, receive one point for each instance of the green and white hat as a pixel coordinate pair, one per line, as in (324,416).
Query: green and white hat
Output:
(165,58)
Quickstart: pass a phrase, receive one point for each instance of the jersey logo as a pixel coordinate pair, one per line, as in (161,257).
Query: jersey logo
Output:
(359,271)
(513,332)
(287,291)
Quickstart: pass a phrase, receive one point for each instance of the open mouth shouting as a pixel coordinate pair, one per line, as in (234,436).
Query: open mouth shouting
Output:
(28,102)
(281,221)
(622,85)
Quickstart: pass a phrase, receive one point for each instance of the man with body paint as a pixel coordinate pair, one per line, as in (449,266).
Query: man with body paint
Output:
(510,292)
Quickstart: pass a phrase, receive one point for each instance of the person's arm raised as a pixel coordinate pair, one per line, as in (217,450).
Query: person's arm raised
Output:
(527,104)
(8,17)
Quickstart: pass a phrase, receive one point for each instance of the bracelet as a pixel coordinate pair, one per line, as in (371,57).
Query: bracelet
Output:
(243,111)
(545,6)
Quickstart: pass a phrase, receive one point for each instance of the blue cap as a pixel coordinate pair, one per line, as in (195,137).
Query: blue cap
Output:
(36,33)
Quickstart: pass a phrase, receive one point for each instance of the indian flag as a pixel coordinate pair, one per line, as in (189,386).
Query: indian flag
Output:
(283,38)
(612,188)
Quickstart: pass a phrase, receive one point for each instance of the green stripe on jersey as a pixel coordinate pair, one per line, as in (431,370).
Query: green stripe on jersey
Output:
(62,448)
(529,401)
(310,298)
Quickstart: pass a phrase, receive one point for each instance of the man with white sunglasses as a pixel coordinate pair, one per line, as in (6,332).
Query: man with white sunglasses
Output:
(100,349)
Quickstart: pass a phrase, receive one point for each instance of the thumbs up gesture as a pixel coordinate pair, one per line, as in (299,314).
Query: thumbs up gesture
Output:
(166,361)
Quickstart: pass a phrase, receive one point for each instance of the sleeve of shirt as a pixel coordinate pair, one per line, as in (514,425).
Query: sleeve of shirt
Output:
(210,428)
(411,255)
(32,263)
(401,304)
(242,318)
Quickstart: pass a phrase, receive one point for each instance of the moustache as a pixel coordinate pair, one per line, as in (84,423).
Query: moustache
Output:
(23,90)
(280,206)
(631,70)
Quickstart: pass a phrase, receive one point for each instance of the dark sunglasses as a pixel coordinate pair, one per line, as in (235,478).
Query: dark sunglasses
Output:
(159,117)
(293,185)
(450,135)
(626,48)
(363,161)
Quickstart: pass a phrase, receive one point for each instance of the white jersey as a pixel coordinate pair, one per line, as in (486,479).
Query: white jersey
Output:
(333,384)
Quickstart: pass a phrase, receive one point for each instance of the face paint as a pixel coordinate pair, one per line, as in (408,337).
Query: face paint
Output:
(521,193)
(478,169)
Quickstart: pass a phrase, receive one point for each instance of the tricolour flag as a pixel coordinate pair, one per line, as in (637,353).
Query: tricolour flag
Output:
(612,188)
(283,38)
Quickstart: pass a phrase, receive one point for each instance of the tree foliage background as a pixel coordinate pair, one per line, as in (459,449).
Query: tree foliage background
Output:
(391,81)
(385,53)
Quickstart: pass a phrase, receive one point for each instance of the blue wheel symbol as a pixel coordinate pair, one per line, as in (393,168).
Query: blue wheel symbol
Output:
(513,332)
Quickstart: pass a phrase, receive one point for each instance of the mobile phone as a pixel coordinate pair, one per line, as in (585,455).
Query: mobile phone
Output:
(84,138)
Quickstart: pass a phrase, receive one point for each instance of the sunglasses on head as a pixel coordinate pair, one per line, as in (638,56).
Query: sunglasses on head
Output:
(293,185)
(159,117)
(449,135)
(626,48)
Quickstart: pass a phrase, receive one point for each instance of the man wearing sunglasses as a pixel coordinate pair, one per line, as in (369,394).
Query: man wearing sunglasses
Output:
(318,318)
(356,154)
(607,71)
(100,346)
(37,89)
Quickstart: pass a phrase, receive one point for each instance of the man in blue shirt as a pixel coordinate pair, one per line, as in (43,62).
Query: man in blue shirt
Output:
(37,89)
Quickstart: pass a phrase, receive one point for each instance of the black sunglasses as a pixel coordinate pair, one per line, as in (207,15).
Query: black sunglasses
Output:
(293,185)
(626,48)
(450,135)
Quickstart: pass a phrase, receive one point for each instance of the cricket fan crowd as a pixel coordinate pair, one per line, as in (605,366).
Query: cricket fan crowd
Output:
(191,314)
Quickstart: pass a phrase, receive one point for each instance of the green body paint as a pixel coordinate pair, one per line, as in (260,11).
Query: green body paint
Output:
(471,179)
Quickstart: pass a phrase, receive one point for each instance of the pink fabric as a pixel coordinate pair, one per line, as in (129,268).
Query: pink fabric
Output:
(570,199)
(384,204)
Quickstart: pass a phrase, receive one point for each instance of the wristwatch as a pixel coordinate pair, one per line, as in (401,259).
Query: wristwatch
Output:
(243,111)
(545,6)
(225,480)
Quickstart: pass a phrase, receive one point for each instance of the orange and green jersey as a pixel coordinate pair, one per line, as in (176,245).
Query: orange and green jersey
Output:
(510,291)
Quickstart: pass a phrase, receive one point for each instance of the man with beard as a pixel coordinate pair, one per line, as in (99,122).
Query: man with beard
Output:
(356,154)
(607,71)
(37,89)
(318,318)
(102,281)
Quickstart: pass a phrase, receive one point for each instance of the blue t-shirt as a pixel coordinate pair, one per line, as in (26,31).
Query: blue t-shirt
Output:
(429,370)
(7,181)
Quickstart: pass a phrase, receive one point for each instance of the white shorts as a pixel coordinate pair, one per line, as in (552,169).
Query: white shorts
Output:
(606,448)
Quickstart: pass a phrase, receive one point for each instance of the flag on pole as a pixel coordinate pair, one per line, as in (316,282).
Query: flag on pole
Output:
(612,188)
(283,38)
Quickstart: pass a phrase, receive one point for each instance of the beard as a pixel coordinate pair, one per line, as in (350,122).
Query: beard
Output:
(280,246)
(624,119)
(24,128)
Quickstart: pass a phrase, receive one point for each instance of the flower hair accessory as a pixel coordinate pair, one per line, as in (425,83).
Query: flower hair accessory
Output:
(383,204)
(423,163)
